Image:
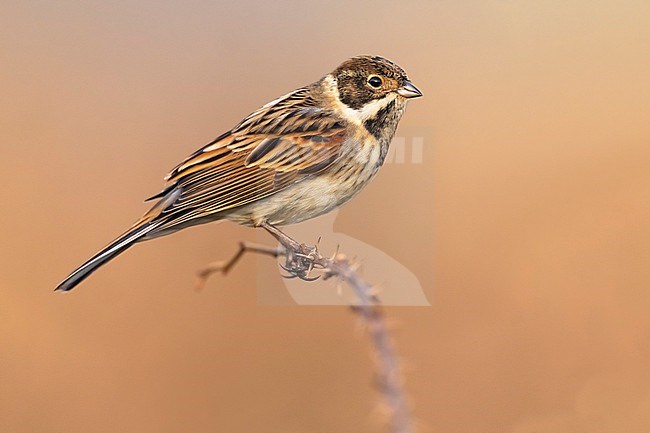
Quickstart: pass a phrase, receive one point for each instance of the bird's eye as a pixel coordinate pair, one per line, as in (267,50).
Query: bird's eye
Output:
(374,81)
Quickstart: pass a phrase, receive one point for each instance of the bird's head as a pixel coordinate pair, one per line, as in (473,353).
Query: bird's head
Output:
(366,79)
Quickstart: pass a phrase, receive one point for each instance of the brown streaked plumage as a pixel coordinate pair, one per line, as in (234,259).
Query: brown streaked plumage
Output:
(295,158)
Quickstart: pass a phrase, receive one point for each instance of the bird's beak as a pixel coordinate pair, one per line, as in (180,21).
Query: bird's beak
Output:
(408,90)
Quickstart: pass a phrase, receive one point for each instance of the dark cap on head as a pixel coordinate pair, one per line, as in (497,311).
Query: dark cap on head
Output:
(363,79)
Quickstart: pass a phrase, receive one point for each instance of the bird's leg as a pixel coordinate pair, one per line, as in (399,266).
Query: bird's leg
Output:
(284,239)
(299,257)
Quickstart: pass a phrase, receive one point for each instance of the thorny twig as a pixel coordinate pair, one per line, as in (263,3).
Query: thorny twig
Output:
(300,261)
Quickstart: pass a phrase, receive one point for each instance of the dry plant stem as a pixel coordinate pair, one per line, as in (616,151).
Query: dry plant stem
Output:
(301,259)
(389,380)
(225,266)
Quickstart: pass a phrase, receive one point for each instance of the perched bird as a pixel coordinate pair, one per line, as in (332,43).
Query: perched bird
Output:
(297,157)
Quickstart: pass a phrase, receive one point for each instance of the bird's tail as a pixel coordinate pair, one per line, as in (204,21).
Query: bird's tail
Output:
(133,235)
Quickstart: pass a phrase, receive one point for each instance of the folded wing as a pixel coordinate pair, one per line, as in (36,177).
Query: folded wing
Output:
(282,143)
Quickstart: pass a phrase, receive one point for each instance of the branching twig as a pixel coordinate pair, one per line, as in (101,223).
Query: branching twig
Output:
(300,261)
(225,266)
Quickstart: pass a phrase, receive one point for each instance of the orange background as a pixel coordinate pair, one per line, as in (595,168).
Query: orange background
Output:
(527,222)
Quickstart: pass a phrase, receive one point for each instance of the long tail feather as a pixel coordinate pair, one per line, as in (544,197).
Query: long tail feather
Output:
(116,247)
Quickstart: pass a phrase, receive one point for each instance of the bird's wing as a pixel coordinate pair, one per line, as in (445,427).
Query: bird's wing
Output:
(279,144)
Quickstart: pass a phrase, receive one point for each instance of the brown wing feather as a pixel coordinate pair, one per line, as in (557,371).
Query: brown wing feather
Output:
(280,144)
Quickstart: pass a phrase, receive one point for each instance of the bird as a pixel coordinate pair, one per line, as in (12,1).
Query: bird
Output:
(295,158)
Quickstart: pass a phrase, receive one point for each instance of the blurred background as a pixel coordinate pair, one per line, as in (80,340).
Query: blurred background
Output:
(526,223)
